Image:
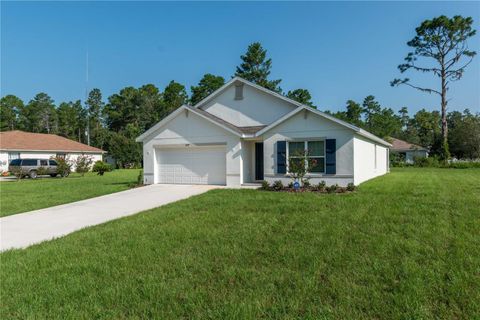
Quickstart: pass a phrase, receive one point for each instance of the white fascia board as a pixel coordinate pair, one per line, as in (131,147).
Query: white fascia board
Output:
(373,137)
(361,132)
(251,84)
(215,122)
(174,114)
(277,122)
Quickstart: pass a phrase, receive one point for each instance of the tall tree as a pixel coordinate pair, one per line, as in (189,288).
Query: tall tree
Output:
(208,84)
(445,41)
(151,100)
(256,67)
(301,95)
(464,136)
(72,118)
(370,108)
(94,106)
(10,107)
(39,115)
(354,113)
(174,96)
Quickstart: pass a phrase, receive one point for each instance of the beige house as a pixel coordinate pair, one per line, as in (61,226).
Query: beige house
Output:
(19,144)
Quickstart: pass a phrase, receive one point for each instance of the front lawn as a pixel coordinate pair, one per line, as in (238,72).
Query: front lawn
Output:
(27,194)
(404,246)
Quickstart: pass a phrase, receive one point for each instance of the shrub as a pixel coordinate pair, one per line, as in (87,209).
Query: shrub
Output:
(426,162)
(297,165)
(306,184)
(321,185)
(101,167)
(64,166)
(464,164)
(140,178)
(290,185)
(332,188)
(265,185)
(277,185)
(41,171)
(18,173)
(350,187)
(83,164)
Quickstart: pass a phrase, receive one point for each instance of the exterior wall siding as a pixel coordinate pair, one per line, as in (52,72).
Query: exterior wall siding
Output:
(309,126)
(370,159)
(255,109)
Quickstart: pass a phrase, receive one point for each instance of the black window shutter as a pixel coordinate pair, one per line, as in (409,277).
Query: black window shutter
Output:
(331,159)
(281,157)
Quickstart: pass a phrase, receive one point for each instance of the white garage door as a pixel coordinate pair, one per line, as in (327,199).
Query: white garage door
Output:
(192,165)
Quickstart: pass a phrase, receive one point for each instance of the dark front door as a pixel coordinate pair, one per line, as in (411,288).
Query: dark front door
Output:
(258,160)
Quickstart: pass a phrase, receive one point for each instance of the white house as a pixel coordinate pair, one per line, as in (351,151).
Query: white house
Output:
(408,151)
(243,133)
(19,144)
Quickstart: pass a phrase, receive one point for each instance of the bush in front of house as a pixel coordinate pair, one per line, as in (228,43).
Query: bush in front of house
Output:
(64,166)
(426,162)
(321,186)
(277,185)
(83,163)
(350,187)
(101,167)
(332,189)
(265,185)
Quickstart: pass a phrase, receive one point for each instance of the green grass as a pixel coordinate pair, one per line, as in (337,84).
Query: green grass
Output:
(27,194)
(405,246)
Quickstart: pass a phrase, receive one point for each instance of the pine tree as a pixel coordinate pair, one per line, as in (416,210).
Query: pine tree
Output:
(256,67)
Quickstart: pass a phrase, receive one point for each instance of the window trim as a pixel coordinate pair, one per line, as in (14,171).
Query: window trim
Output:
(305,145)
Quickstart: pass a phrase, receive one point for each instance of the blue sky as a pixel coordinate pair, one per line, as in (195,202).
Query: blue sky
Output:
(336,50)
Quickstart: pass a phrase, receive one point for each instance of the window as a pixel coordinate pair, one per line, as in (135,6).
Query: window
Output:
(44,163)
(315,151)
(29,162)
(61,155)
(15,162)
(13,156)
(52,162)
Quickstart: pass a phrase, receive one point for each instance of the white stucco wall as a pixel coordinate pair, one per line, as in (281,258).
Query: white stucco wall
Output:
(3,161)
(411,155)
(190,129)
(371,159)
(72,156)
(256,108)
(309,126)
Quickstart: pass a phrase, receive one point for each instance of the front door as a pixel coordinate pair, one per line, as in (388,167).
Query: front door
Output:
(258,160)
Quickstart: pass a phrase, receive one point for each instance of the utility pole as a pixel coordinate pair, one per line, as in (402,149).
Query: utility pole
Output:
(86,98)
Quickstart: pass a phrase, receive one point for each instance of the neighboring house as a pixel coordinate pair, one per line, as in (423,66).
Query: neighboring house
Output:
(19,144)
(243,133)
(407,150)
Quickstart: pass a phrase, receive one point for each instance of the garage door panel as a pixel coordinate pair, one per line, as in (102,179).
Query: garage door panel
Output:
(192,165)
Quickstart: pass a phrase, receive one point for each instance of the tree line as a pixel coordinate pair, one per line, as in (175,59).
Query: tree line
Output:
(114,124)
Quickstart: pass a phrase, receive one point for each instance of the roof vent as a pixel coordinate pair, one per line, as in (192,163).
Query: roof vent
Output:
(239,91)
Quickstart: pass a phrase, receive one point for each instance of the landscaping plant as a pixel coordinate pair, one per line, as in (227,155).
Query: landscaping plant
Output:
(64,166)
(83,164)
(277,185)
(101,167)
(298,164)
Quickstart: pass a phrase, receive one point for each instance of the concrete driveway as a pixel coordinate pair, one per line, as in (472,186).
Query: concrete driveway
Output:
(24,229)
